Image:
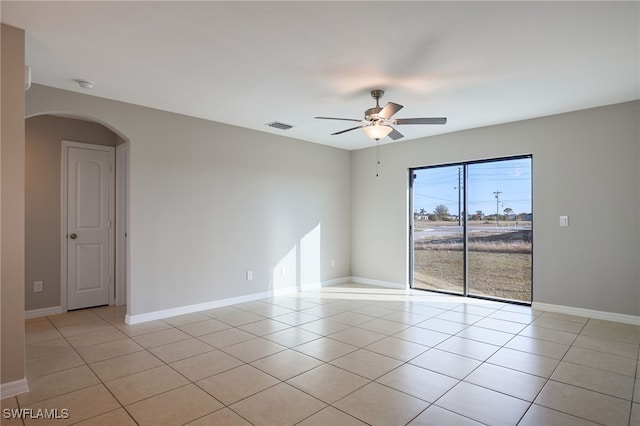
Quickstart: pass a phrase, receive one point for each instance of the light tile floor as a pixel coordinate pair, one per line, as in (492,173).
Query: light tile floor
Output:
(344,355)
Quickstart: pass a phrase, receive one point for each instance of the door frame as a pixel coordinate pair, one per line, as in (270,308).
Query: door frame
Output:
(465,195)
(66,144)
(122,223)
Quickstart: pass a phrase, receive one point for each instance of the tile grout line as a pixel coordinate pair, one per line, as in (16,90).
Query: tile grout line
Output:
(122,406)
(94,373)
(358,326)
(190,382)
(549,379)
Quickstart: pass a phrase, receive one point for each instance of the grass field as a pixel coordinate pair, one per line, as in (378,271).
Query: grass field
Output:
(499,266)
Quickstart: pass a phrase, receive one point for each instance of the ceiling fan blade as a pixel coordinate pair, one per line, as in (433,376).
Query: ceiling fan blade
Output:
(343,119)
(389,109)
(395,134)
(345,131)
(423,120)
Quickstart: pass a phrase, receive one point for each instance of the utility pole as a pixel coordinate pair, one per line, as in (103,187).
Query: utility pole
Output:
(497,194)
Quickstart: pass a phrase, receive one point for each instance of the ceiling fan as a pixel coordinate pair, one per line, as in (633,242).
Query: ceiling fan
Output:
(378,123)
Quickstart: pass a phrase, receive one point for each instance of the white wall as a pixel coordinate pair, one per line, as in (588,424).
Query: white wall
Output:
(586,165)
(210,201)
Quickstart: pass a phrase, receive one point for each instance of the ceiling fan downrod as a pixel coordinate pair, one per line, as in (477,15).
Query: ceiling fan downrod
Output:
(377,95)
(371,114)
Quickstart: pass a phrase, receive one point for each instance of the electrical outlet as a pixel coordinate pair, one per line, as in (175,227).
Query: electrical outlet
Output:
(249,275)
(564,220)
(38,286)
(333,263)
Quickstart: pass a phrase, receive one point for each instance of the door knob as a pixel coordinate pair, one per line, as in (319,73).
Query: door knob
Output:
(73,236)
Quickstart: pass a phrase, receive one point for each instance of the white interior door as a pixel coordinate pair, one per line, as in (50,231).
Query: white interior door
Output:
(89,190)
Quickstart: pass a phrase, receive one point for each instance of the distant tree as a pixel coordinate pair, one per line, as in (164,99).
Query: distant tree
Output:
(507,212)
(441,212)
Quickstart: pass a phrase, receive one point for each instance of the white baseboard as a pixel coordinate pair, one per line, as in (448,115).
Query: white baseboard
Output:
(181,310)
(379,283)
(172,312)
(14,388)
(327,283)
(43,312)
(590,313)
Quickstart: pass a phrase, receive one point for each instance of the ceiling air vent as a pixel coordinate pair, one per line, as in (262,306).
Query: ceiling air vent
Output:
(279,125)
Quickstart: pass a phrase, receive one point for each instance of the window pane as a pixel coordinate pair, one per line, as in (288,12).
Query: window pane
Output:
(438,250)
(499,229)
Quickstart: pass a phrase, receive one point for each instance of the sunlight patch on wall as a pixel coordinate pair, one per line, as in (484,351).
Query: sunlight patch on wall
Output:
(310,257)
(284,273)
(301,265)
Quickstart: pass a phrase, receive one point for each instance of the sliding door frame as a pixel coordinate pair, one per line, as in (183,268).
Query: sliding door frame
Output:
(465,195)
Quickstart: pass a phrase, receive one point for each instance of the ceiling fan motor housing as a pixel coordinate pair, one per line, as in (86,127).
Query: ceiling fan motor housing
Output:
(372,114)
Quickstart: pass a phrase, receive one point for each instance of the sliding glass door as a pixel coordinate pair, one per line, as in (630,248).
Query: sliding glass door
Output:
(438,248)
(499,234)
(471,229)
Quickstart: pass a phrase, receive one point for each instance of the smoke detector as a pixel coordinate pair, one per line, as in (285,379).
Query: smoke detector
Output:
(85,84)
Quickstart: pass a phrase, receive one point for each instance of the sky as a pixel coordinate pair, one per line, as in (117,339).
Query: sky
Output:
(439,185)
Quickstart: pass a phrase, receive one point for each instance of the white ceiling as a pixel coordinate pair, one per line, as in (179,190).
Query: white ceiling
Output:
(250,63)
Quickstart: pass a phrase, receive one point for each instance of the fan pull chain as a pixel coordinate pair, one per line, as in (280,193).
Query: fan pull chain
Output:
(377,159)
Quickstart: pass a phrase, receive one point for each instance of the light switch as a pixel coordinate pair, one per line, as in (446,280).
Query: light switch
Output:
(564,220)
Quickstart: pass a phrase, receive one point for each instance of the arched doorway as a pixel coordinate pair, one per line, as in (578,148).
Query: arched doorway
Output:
(47,263)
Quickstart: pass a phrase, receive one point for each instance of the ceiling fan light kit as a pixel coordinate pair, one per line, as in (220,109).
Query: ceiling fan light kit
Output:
(377,131)
(377,122)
